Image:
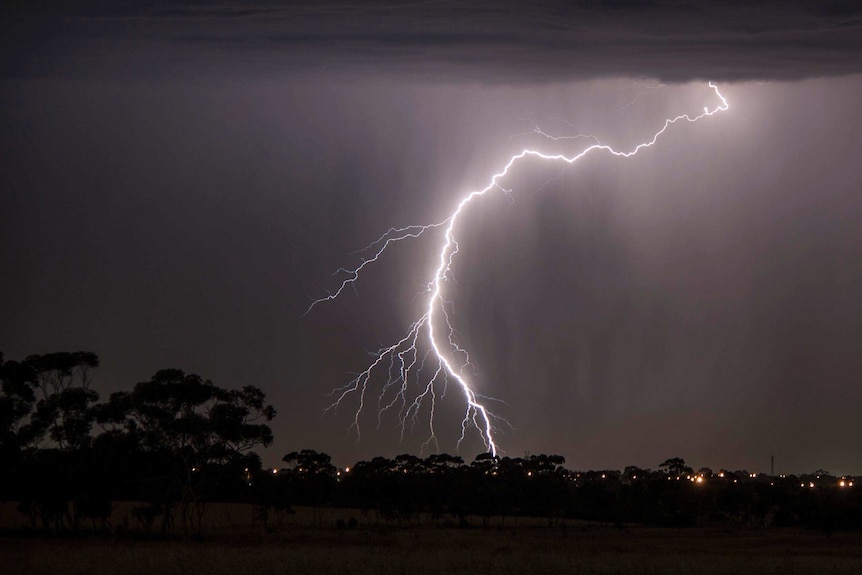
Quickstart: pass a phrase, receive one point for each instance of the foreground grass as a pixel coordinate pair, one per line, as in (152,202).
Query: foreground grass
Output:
(417,551)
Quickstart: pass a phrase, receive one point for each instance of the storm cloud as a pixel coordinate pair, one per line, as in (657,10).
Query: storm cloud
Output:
(504,41)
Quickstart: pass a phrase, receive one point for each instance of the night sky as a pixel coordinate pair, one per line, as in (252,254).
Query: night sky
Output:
(179,182)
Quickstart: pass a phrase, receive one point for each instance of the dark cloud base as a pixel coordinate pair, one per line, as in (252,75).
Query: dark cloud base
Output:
(490,42)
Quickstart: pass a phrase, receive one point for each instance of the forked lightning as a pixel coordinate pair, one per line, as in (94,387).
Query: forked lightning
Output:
(428,355)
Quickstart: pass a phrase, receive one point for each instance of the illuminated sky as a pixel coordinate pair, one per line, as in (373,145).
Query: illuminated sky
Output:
(179,182)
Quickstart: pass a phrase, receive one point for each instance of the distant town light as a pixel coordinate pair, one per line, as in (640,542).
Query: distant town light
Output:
(699,479)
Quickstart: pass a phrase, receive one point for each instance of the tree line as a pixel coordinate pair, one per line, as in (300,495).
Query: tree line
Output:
(176,442)
(173,442)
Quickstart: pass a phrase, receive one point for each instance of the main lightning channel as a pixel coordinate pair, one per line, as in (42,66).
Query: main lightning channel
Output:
(447,359)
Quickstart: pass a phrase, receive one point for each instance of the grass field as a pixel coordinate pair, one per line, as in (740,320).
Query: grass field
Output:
(522,550)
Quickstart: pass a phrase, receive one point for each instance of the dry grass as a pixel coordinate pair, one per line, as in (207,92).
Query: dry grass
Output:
(235,547)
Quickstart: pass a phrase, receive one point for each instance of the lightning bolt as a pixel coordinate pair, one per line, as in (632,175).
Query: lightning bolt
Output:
(428,355)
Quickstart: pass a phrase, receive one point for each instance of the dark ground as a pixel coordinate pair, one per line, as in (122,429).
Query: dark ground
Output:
(585,549)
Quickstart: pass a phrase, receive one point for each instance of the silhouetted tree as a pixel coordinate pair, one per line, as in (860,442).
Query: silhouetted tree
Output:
(273,496)
(441,482)
(675,466)
(47,402)
(443,462)
(190,431)
(633,473)
(63,412)
(16,404)
(309,462)
(312,477)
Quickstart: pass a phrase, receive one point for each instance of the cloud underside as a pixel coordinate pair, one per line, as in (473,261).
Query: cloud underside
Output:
(493,41)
